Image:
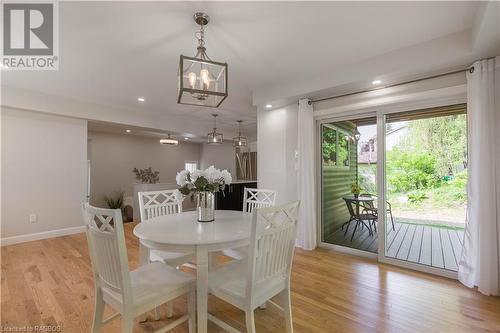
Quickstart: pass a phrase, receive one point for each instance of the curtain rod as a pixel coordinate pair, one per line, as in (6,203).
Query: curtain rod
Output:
(469,69)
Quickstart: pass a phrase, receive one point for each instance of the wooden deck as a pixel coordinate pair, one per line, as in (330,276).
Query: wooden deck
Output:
(423,244)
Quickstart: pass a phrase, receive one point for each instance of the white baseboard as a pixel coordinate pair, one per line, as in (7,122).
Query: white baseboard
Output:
(41,235)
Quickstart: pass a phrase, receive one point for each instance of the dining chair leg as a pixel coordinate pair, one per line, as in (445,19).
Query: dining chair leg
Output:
(392,220)
(170,311)
(355,227)
(98,311)
(374,225)
(127,323)
(192,311)
(250,321)
(287,309)
(157,313)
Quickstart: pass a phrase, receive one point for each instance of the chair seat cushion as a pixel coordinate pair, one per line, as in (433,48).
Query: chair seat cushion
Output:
(229,281)
(152,281)
(170,258)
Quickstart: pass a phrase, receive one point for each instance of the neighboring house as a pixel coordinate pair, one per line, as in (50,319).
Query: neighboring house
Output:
(367,150)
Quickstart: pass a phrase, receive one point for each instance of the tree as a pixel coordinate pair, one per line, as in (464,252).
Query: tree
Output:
(445,138)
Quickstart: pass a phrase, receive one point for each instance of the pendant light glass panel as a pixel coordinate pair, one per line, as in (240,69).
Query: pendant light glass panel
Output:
(215,138)
(202,82)
(239,141)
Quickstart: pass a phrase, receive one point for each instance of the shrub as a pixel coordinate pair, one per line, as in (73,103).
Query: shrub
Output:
(409,170)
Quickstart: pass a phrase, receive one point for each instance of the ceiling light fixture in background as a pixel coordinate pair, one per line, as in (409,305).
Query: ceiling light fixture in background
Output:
(239,141)
(169,141)
(215,137)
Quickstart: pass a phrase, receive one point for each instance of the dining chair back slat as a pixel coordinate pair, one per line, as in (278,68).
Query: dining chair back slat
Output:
(105,236)
(274,231)
(258,198)
(159,203)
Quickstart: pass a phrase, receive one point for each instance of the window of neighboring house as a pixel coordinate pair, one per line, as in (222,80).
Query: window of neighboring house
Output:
(336,146)
(191,166)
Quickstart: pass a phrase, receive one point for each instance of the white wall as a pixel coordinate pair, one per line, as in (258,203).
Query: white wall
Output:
(43,172)
(113,156)
(277,145)
(221,156)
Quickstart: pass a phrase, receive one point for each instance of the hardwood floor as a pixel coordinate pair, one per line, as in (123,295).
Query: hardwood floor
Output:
(49,282)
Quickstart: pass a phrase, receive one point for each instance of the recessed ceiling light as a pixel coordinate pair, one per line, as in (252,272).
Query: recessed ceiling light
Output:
(269,106)
(186,138)
(141,99)
(376,81)
(128,131)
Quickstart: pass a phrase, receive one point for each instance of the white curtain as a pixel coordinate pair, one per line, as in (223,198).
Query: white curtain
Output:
(306,233)
(480,261)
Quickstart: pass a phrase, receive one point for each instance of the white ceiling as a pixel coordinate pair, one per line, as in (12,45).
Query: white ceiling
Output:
(113,52)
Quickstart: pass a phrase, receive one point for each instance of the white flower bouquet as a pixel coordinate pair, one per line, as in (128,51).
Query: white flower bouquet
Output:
(209,180)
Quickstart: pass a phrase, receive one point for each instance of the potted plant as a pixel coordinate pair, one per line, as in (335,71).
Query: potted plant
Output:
(203,184)
(114,201)
(355,189)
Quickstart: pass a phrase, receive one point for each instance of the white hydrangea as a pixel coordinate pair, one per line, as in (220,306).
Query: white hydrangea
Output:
(197,174)
(226,175)
(213,175)
(179,197)
(182,177)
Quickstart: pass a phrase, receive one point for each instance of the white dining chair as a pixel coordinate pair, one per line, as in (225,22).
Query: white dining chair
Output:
(253,198)
(129,293)
(159,203)
(258,198)
(266,271)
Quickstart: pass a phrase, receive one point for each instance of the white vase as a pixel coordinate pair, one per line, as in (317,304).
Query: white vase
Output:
(205,206)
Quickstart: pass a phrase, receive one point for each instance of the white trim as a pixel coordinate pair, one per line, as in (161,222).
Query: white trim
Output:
(399,103)
(348,250)
(381,225)
(41,235)
(419,267)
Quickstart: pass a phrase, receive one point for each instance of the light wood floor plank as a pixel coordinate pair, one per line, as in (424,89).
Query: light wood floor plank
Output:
(49,282)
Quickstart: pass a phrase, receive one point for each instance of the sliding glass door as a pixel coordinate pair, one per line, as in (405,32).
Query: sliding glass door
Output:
(425,186)
(395,184)
(348,161)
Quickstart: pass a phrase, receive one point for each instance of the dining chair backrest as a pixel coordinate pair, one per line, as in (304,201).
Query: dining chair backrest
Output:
(258,198)
(369,204)
(107,249)
(159,203)
(272,243)
(350,206)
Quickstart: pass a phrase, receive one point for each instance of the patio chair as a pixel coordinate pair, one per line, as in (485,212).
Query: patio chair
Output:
(369,207)
(357,217)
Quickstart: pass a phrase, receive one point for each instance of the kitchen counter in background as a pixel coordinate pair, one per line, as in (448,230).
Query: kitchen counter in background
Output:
(232,198)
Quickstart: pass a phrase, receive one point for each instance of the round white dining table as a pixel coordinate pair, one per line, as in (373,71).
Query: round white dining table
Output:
(183,233)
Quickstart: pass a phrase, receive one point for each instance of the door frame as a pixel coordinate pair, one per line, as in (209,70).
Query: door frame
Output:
(432,99)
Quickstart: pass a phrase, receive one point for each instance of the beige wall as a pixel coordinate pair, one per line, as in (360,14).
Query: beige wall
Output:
(44,163)
(113,156)
(221,156)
